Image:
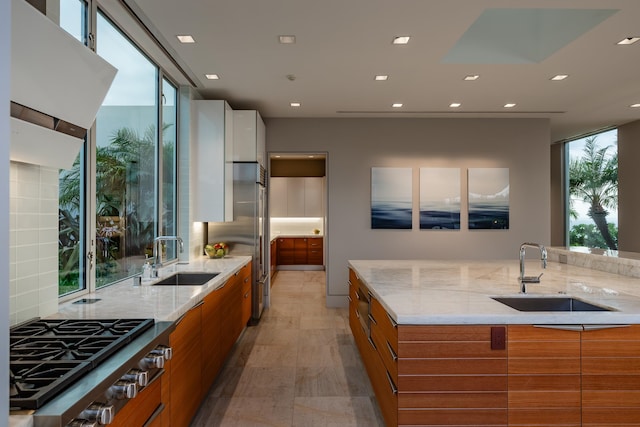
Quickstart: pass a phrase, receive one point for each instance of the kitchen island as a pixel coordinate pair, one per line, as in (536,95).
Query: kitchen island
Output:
(439,350)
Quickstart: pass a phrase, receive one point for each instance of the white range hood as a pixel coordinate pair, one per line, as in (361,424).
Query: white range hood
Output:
(57,87)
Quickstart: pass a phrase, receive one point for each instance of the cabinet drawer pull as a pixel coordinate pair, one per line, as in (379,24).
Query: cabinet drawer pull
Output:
(576,328)
(357,295)
(246,295)
(246,279)
(372,343)
(349,298)
(393,353)
(357,314)
(393,322)
(394,389)
(372,319)
(600,327)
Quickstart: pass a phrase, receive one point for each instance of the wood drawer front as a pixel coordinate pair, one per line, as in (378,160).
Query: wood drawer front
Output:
(138,411)
(452,366)
(388,327)
(453,417)
(383,385)
(452,383)
(299,243)
(315,257)
(353,277)
(315,243)
(544,376)
(386,352)
(547,417)
(285,243)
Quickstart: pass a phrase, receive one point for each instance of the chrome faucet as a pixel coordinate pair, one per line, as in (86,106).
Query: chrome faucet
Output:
(531,279)
(157,253)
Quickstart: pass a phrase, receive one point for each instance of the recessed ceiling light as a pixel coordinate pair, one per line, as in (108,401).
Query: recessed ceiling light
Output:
(212,76)
(634,105)
(509,105)
(455,105)
(628,40)
(186,38)
(559,77)
(401,39)
(471,77)
(381,78)
(295,104)
(287,39)
(396,105)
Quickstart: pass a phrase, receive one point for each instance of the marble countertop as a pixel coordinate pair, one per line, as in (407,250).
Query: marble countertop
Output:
(459,292)
(162,303)
(276,236)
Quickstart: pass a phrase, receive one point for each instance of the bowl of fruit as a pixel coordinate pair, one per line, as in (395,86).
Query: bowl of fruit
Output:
(217,250)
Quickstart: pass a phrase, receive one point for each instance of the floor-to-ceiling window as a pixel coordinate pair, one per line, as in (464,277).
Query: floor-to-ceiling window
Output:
(121,193)
(72,230)
(592,177)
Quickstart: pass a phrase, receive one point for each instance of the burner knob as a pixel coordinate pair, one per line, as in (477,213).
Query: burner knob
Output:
(137,376)
(164,351)
(99,412)
(153,361)
(82,423)
(123,390)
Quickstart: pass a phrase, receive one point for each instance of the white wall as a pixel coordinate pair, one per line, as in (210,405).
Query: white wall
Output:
(356,145)
(5,50)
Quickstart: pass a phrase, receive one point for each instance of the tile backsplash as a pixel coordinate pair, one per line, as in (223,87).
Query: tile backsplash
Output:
(33,242)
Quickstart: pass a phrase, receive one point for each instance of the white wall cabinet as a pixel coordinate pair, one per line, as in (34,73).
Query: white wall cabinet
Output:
(249,135)
(296,197)
(212,130)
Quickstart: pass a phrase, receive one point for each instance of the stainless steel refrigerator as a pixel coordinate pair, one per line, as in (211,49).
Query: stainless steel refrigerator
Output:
(247,234)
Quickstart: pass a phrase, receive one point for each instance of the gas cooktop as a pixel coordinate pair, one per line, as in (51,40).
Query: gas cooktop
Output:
(46,356)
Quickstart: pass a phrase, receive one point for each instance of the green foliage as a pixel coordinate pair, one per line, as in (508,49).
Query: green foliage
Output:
(593,178)
(588,235)
(125,205)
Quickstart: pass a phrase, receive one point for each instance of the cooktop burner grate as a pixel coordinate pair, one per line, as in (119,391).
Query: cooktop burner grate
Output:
(46,356)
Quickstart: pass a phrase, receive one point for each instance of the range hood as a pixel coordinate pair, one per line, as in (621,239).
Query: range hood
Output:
(57,87)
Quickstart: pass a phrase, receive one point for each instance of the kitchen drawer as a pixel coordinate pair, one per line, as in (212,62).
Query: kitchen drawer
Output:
(285,243)
(315,243)
(388,355)
(315,257)
(139,410)
(388,327)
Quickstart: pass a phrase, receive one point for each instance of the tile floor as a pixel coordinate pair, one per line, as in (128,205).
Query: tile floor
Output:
(298,367)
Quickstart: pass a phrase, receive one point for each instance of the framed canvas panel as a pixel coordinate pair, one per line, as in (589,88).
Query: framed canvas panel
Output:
(439,198)
(488,198)
(391,198)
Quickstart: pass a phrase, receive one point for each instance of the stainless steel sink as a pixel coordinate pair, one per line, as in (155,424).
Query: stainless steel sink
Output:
(529,303)
(186,279)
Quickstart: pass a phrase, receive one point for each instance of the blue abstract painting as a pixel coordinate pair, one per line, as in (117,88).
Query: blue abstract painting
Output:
(440,198)
(488,198)
(391,198)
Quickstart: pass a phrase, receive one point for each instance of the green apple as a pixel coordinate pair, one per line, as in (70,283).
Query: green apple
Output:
(220,252)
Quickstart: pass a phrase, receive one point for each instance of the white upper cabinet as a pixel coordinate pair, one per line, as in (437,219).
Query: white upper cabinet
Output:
(249,137)
(212,130)
(296,197)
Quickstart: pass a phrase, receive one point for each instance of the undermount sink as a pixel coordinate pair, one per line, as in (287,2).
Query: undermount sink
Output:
(529,303)
(186,279)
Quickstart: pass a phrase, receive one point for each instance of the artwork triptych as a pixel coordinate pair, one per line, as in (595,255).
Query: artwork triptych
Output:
(440,198)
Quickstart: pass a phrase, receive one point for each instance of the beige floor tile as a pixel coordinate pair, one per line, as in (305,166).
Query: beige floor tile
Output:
(334,412)
(298,367)
(247,412)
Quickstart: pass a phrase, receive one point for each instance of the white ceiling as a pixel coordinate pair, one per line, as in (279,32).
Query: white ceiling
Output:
(342,44)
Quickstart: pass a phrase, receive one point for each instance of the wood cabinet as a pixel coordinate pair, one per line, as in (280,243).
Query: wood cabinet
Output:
(431,375)
(212,128)
(544,373)
(296,197)
(300,251)
(186,368)
(611,376)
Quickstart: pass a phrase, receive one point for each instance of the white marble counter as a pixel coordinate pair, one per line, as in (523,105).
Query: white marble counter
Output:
(459,292)
(276,236)
(162,303)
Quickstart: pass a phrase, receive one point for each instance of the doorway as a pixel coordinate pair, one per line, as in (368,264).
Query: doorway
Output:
(297,199)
